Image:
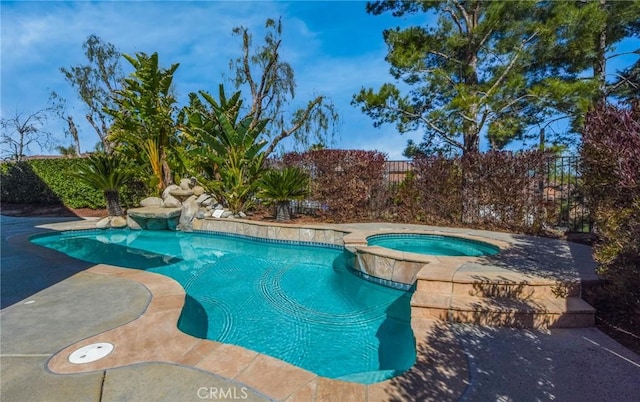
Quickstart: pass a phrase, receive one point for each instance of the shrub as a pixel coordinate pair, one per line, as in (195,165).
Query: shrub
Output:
(108,174)
(432,193)
(48,182)
(504,190)
(611,170)
(496,190)
(282,186)
(346,181)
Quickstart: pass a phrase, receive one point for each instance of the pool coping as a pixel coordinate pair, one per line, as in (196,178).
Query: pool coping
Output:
(406,267)
(154,337)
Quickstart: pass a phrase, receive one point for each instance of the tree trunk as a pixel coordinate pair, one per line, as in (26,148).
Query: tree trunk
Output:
(283,212)
(113,203)
(166,170)
(20,149)
(102,135)
(73,130)
(600,63)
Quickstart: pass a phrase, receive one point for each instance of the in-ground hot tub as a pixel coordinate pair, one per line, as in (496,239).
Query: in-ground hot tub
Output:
(394,259)
(432,244)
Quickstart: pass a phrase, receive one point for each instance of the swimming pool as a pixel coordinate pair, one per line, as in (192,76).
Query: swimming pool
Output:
(431,244)
(295,301)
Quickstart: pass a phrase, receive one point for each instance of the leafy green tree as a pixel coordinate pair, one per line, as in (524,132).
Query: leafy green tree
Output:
(271,83)
(96,82)
(484,67)
(144,116)
(616,20)
(224,148)
(282,186)
(107,173)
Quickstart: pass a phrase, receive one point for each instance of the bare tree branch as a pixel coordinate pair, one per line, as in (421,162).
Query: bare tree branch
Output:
(22,130)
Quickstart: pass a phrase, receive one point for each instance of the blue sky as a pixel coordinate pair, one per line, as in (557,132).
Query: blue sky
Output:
(334,47)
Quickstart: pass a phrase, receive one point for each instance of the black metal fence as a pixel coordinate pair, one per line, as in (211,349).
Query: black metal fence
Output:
(563,186)
(559,185)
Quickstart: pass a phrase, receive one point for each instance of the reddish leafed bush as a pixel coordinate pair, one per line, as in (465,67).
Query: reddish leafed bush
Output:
(499,190)
(611,171)
(431,193)
(504,189)
(345,181)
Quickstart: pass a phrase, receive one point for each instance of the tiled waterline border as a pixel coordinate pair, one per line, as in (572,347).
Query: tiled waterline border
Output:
(399,267)
(272,231)
(154,337)
(380,265)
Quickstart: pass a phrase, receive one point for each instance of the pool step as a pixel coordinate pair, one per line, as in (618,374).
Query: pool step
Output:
(502,288)
(538,312)
(508,285)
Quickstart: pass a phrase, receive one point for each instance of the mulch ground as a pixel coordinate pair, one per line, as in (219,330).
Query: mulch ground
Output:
(57,211)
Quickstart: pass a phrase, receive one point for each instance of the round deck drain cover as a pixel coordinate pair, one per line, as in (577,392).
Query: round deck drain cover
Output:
(90,353)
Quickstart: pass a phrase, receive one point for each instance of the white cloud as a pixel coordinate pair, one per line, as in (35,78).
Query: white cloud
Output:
(39,38)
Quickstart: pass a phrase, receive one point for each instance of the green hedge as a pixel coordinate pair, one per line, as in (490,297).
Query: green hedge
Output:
(48,182)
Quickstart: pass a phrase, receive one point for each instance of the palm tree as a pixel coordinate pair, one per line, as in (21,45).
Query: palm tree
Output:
(282,186)
(107,173)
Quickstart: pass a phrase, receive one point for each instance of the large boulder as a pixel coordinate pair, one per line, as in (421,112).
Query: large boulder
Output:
(203,199)
(112,222)
(118,222)
(134,223)
(168,190)
(189,211)
(104,223)
(172,202)
(198,190)
(187,184)
(151,202)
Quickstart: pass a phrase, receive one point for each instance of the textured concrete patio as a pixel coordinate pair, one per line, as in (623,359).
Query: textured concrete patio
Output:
(51,302)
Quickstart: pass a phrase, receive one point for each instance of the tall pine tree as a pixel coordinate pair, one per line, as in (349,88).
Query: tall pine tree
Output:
(485,68)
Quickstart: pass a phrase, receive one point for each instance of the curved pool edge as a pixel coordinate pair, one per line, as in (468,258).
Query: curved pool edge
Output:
(257,369)
(162,341)
(401,266)
(427,330)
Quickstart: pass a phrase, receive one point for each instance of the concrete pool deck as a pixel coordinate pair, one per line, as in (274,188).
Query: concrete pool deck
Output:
(51,301)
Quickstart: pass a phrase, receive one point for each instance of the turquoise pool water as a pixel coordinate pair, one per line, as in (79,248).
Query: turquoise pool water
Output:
(433,244)
(297,302)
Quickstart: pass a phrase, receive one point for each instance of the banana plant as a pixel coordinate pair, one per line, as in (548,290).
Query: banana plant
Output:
(144,121)
(226,150)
